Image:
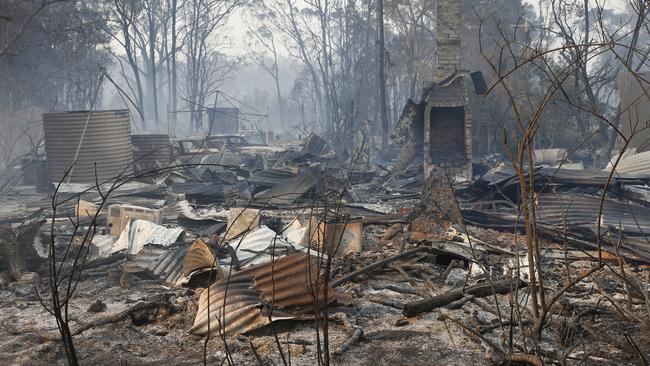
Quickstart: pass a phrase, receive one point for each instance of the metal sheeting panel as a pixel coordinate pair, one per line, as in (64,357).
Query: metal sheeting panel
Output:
(502,183)
(106,144)
(270,177)
(149,149)
(291,190)
(169,266)
(253,298)
(199,256)
(634,164)
(161,262)
(578,210)
(576,217)
(261,245)
(505,176)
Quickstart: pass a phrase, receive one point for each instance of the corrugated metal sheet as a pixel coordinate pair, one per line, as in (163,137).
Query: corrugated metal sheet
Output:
(261,245)
(164,263)
(289,191)
(579,210)
(106,144)
(502,183)
(172,265)
(270,177)
(576,216)
(253,298)
(637,193)
(504,175)
(206,192)
(138,233)
(637,164)
(199,256)
(202,228)
(149,149)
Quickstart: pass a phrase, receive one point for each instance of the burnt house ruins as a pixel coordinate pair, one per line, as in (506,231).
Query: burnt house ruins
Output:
(222,201)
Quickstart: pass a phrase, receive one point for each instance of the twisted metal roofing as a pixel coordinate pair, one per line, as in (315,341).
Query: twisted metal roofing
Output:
(285,288)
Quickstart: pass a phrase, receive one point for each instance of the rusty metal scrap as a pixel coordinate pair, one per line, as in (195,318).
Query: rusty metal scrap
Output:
(199,256)
(282,289)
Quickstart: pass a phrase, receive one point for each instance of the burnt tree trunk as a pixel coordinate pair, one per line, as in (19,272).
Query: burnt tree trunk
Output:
(382,76)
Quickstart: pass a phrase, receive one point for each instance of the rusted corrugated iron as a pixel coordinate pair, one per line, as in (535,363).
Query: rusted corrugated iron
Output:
(104,150)
(199,256)
(283,289)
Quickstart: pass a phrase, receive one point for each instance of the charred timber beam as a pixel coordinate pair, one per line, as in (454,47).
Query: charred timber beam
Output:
(486,289)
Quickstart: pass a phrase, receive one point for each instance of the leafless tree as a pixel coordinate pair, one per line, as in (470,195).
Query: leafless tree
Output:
(555,78)
(205,68)
(264,52)
(147,33)
(381,53)
(412,23)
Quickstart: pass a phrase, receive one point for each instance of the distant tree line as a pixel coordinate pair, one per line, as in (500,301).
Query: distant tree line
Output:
(172,55)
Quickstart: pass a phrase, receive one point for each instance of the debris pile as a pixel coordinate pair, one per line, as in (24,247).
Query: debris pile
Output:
(569,205)
(260,251)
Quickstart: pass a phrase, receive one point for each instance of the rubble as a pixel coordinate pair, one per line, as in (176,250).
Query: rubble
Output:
(244,252)
(249,204)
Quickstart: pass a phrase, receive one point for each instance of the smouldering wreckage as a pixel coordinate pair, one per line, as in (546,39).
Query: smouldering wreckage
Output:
(569,205)
(153,223)
(252,239)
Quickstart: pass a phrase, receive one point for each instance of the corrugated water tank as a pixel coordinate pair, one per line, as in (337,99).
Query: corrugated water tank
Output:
(106,143)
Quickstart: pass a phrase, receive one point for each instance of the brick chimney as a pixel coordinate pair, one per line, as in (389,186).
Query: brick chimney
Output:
(447,115)
(447,38)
